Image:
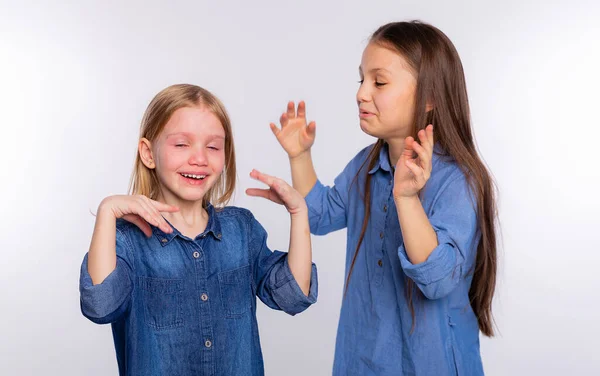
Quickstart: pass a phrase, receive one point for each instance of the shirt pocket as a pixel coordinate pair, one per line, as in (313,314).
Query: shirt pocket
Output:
(162,300)
(236,292)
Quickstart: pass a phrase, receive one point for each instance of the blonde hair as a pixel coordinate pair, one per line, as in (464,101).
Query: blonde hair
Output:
(144,180)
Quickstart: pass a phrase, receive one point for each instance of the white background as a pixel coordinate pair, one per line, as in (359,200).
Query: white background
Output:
(75,78)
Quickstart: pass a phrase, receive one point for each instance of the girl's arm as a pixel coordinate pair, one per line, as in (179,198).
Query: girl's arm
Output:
(106,279)
(300,250)
(410,177)
(140,210)
(296,138)
(440,250)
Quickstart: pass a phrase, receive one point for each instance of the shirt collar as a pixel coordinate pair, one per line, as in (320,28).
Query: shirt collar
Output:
(383,161)
(213,227)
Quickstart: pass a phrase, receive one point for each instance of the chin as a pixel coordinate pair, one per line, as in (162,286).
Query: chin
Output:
(186,194)
(365,127)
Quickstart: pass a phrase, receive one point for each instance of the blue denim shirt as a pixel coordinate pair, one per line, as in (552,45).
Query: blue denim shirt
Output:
(181,306)
(374,332)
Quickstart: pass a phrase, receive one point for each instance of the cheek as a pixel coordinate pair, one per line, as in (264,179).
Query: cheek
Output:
(397,105)
(218,161)
(171,159)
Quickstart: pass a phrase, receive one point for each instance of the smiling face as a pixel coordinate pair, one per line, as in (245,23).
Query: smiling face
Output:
(188,155)
(386,97)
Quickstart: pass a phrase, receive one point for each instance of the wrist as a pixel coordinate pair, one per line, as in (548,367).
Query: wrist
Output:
(105,209)
(406,200)
(300,158)
(299,213)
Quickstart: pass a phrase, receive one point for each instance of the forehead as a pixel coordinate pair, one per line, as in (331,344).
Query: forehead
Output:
(377,58)
(195,120)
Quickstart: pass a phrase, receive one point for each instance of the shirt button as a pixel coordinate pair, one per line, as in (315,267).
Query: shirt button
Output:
(208,343)
(385,208)
(381,234)
(218,236)
(380,263)
(196,254)
(204,297)
(164,240)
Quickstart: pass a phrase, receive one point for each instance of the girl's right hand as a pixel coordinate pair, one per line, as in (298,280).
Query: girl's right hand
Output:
(295,136)
(139,210)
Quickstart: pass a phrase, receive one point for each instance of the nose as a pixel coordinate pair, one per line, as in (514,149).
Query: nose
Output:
(363,94)
(199,157)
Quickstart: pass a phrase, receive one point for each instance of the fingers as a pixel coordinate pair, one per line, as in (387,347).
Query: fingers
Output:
(311,129)
(151,214)
(140,223)
(424,156)
(417,171)
(283,120)
(429,131)
(291,110)
(408,147)
(424,138)
(267,179)
(264,193)
(162,207)
(274,129)
(302,109)
(277,191)
(258,192)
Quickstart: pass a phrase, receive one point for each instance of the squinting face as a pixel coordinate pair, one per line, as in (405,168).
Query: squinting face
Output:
(190,153)
(387,93)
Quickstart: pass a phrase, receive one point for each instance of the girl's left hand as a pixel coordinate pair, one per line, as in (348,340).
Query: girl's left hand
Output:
(412,173)
(279,192)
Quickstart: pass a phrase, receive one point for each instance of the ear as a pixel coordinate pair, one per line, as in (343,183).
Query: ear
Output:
(428,107)
(145,151)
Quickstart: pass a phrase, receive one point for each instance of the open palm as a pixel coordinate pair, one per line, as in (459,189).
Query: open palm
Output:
(295,136)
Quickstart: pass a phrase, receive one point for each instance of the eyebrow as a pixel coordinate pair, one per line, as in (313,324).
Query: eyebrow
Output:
(374,70)
(187,134)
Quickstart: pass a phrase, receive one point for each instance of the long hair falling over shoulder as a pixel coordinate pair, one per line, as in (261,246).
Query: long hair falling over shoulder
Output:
(441,81)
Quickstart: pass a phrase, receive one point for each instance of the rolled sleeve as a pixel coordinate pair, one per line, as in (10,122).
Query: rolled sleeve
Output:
(106,302)
(273,280)
(286,292)
(438,275)
(454,219)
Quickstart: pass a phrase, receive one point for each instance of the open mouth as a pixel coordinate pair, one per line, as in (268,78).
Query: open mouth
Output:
(193,177)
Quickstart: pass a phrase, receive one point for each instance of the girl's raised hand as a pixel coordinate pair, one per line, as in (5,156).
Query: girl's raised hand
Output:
(412,173)
(279,192)
(295,136)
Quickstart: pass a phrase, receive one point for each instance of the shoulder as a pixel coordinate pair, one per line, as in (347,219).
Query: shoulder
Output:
(358,162)
(234,216)
(448,181)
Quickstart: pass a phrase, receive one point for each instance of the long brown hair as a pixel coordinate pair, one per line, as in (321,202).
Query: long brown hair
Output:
(441,81)
(144,180)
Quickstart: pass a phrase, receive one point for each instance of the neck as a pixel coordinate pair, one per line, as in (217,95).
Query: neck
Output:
(190,220)
(395,149)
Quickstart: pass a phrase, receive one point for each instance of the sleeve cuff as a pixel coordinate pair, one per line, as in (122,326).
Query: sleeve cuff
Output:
(103,300)
(313,199)
(440,263)
(288,294)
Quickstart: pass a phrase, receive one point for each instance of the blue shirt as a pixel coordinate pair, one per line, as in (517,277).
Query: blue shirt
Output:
(181,306)
(374,332)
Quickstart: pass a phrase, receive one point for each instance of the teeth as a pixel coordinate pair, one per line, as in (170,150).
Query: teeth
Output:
(194,176)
